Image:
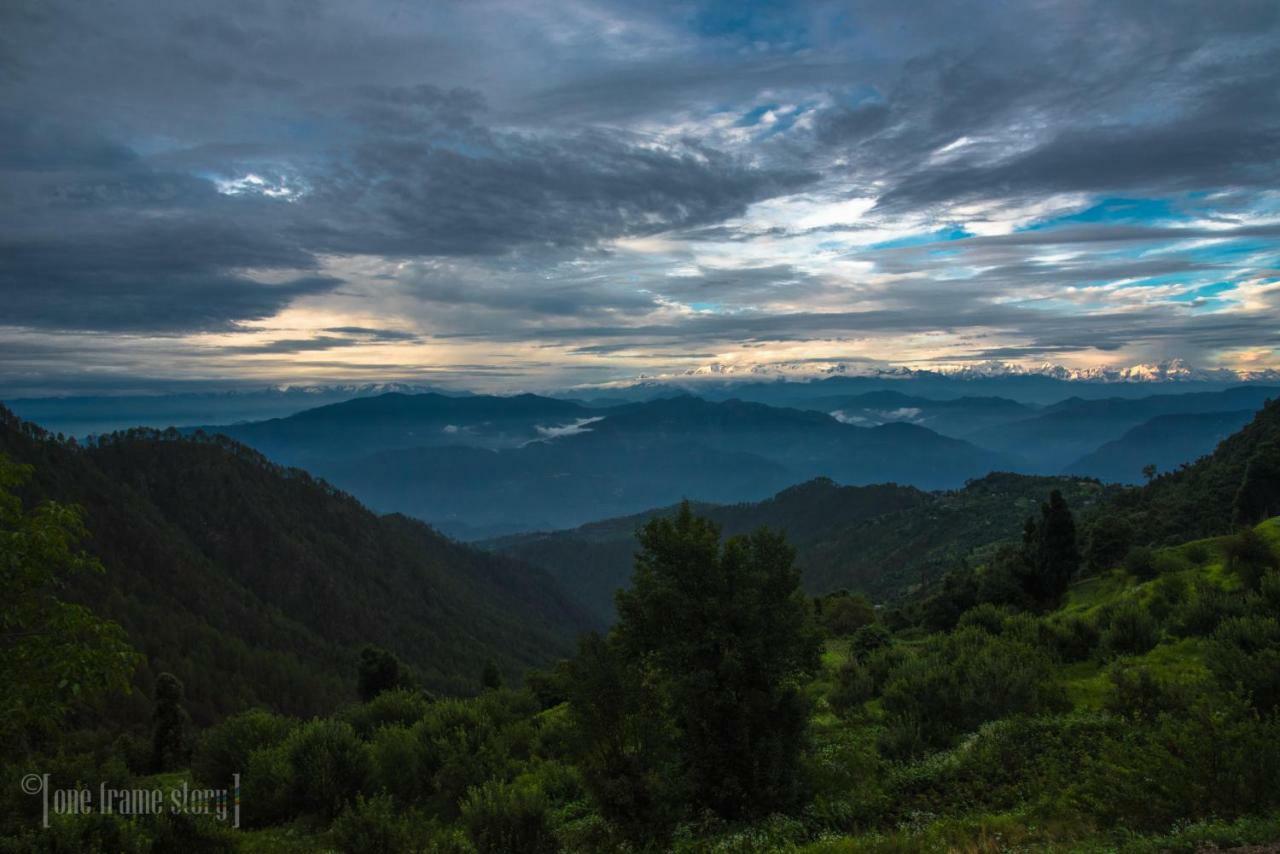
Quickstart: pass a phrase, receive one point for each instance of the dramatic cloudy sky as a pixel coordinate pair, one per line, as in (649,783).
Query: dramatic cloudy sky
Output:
(527,194)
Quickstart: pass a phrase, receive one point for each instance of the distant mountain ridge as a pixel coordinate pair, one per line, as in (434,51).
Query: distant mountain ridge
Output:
(1070,429)
(1166,442)
(483,465)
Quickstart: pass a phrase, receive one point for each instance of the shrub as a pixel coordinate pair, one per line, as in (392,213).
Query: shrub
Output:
(1198,553)
(1249,556)
(868,639)
(1245,655)
(394,706)
(1005,764)
(376,826)
(1140,562)
(962,680)
(854,686)
(400,766)
(1216,759)
(191,834)
(329,764)
(1074,638)
(267,787)
(1206,607)
(1269,592)
(503,817)
(1167,593)
(1131,630)
(844,615)
(224,749)
(1137,694)
(846,779)
(987,617)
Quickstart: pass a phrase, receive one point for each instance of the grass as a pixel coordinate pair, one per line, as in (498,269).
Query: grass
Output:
(1089,594)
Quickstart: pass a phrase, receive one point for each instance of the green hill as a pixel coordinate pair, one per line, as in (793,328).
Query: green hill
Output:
(1203,499)
(881,539)
(256,584)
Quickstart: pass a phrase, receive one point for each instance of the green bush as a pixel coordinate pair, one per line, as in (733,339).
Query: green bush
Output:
(400,765)
(1249,556)
(224,749)
(266,788)
(1006,764)
(1136,693)
(988,617)
(1168,593)
(1206,607)
(1131,630)
(1140,562)
(1198,553)
(868,639)
(845,614)
(402,706)
(377,825)
(192,834)
(854,686)
(329,764)
(1269,593)
(1217,759)
(505,817)
(962,680)
(1245,655)
(1074,638)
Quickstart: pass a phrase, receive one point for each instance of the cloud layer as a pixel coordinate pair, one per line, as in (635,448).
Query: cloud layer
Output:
(511,195)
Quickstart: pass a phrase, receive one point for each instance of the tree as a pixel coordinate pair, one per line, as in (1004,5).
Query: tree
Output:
(169,732)
(844,615)
(626,744)
(1052,553)
(727,636)
(1109,539)
(380,671)
(53,653)
(1149,472)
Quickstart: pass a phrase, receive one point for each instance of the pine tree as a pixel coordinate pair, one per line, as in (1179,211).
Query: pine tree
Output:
(1053,552)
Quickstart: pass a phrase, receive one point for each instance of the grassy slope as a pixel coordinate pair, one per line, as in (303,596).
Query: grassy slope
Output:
(1086,684)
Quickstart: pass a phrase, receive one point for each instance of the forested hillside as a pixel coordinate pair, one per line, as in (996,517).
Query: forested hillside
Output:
(1238,483)
(881,540)
(257,585)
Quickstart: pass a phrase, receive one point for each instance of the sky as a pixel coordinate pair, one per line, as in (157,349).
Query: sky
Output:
(523,195)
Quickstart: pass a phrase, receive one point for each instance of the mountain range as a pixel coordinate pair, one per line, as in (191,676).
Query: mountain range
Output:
(482,466)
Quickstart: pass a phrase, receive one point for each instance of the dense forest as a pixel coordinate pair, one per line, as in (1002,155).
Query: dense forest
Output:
(1107,680)
(256,584)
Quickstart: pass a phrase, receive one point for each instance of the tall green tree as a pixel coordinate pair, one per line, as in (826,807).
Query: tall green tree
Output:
(1052,552)
(728,637)
(53,653)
